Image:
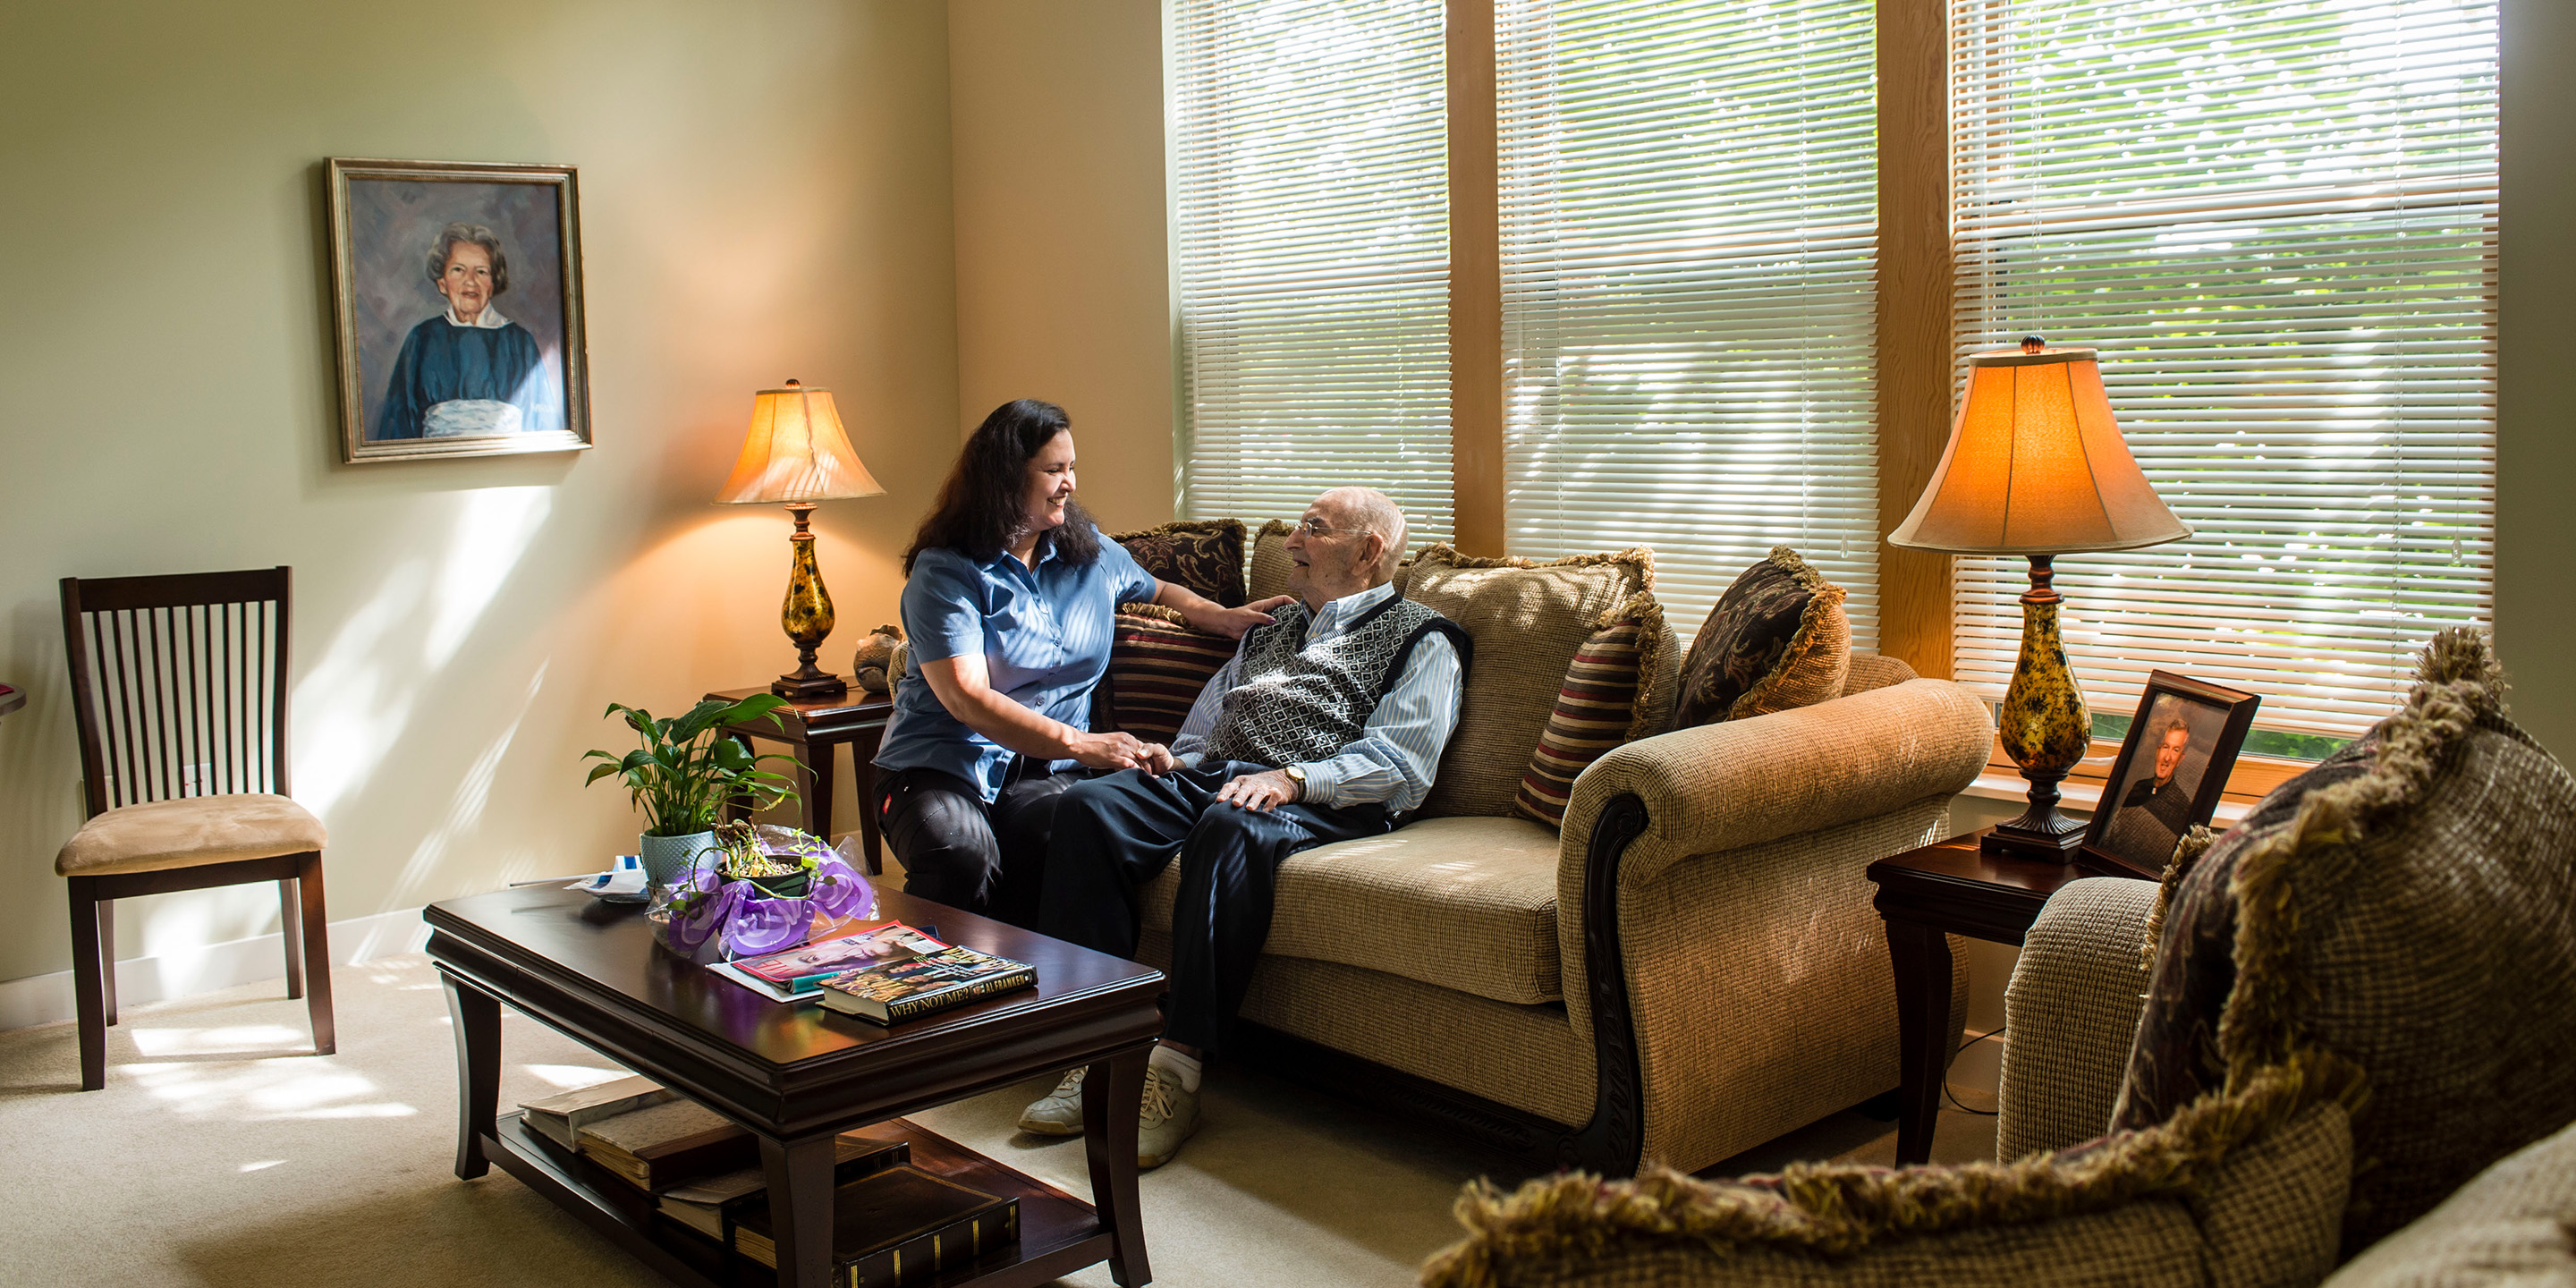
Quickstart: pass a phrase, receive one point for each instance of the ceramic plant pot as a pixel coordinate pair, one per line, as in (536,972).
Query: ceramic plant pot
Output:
(667,857)
(790,885)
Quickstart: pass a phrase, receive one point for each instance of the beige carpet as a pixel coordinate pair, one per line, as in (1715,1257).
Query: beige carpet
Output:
(216,1157)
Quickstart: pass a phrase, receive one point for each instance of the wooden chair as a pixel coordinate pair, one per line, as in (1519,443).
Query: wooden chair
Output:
(179,695)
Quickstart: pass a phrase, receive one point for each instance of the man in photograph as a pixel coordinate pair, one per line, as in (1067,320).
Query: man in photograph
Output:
(2156,809)
(469,371)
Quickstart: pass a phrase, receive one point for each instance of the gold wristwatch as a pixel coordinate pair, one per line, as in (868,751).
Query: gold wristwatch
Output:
(1297,774)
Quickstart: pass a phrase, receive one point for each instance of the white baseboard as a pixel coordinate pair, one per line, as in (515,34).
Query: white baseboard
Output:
(47,999)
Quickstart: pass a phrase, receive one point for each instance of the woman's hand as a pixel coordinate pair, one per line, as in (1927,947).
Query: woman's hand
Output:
(1233,622)
(1112,751)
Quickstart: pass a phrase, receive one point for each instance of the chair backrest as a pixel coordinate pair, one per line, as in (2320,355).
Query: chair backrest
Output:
(178,684)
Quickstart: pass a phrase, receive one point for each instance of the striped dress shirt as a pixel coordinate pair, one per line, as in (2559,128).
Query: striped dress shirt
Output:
(1399,747)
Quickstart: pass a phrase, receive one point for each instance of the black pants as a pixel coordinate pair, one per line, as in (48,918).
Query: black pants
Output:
(1115,833)
(957,850)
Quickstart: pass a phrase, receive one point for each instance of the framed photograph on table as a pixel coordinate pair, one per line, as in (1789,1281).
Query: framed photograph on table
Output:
(2170,772)
(456,298)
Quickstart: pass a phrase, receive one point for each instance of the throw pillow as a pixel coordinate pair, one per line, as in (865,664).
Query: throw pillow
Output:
(1776,640)
(1618,689)
(1157,665)
(1268,575)
(2401,908)
(1206,556)
(1528,620)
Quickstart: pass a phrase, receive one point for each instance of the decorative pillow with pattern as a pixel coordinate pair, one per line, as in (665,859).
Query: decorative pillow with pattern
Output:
(1777,640)
(1267,575)
(1204,555)
(1157,665)
(1618,689)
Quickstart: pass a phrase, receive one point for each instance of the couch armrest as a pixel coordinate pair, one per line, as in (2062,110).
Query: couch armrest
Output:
(2070,1015)
(1726,786)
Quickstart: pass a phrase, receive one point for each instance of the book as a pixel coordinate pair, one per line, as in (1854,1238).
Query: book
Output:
(897,1226)
(705,1204)
(793,975)
(561,1117)
(659,1146)
(935,977)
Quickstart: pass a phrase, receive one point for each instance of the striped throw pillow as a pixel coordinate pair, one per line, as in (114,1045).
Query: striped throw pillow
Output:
(1603,703)
(1157,665)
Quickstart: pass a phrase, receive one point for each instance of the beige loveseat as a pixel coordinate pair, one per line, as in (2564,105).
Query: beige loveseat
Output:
(1692,968)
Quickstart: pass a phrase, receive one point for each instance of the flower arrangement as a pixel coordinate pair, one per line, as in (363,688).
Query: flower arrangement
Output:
(759,890)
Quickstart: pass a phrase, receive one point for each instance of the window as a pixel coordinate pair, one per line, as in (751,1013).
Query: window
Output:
(2276,219)
(1689,216)
(1311,208)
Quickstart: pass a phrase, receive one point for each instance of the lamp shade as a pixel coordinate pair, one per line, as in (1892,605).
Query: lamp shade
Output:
(2036,466)
(796,451)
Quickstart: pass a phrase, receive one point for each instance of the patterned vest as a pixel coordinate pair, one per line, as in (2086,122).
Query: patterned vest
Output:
(1294,703)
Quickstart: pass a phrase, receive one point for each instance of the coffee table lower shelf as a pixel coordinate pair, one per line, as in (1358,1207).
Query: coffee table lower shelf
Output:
(1059,1233)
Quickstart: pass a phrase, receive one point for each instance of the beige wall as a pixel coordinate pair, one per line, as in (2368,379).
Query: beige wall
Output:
(765,193)
(1056,111)
(2536,398)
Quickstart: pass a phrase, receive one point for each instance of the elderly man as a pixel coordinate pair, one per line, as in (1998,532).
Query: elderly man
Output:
(1326,725)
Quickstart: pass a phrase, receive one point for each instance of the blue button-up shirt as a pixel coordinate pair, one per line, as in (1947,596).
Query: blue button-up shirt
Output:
(1044,635)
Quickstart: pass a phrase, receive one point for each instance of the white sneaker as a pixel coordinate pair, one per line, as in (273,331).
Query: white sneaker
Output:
(1167,1116)
(1059,1112)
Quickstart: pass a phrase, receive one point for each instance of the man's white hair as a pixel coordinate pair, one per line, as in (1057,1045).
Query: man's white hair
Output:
(1376,511)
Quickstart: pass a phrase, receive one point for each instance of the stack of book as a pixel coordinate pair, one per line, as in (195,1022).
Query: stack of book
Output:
(888,972)
(893,1223)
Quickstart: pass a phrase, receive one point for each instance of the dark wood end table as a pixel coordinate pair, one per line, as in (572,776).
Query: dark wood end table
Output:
(1927,895)
(816,727)
(796,1076)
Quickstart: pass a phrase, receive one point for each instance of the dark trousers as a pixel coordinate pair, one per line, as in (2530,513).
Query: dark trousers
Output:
(1115,833)
(957,850)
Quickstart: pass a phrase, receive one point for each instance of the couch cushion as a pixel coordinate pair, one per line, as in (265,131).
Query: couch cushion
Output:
(1618,689)
(1875,671)
(1463,903)
(2512,1227)
(2401,907)
(190,832)
(1776,640)
(1157,666)
(1527,620)
(1205,555)
(1267,575)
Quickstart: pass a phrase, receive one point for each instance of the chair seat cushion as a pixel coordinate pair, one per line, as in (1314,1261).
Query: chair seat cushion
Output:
(190,832)
(1462,903)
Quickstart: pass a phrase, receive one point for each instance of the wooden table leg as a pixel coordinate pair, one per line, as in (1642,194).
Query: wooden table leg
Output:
(818,803)
(1112,1091)
(1921,956)
(863,770)
(731,808)
(802,1226)
(477,1017)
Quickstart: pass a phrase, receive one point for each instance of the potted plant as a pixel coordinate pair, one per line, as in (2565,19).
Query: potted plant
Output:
(685,772)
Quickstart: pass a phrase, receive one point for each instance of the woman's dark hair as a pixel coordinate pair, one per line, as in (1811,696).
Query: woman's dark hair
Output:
(983,505)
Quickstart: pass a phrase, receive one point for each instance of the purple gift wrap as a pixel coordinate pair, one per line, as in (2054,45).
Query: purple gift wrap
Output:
(711,918)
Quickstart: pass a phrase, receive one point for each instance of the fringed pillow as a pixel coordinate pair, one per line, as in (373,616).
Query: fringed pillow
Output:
(1618,689)
(1777,640)
(1204,555)
(1157,665)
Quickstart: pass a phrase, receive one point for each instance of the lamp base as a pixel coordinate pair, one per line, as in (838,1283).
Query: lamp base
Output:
(2052,839)
(807,682)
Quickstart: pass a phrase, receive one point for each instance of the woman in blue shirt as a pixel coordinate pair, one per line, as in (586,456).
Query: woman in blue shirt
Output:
(1009,608)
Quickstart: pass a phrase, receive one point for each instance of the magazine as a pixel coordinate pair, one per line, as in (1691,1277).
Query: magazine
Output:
(792,975)
(935,977)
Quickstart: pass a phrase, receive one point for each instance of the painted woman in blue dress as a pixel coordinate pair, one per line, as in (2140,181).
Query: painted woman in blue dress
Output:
(468,372)
(1011,599)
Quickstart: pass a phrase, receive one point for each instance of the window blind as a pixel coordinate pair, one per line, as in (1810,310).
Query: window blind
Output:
(1311,209)
(2276,219)
(1689,215)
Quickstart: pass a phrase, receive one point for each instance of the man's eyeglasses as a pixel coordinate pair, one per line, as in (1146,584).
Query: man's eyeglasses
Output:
(1316,528)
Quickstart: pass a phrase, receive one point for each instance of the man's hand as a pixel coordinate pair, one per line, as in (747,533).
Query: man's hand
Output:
(1233,622)
(1158,759)
(1264,791)
(1110,751)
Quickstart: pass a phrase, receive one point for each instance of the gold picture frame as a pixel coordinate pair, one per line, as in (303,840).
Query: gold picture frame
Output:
(424,257)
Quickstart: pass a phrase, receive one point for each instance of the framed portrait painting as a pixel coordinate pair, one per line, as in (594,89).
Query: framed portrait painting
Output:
(456,292)
(2171,771)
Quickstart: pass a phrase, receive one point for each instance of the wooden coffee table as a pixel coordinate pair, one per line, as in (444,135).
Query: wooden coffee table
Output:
(1927,895)
(797,1076)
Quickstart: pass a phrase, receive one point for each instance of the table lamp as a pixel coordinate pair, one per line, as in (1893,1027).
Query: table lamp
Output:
(2037,467)
(796,453)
